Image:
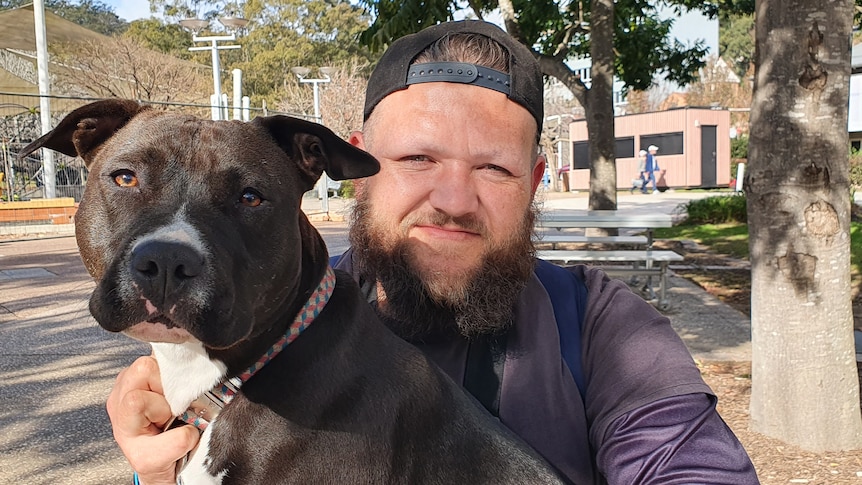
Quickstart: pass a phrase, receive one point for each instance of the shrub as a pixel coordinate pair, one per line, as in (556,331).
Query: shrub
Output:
(739,147)
(716,210)
(855,169)
(346,190)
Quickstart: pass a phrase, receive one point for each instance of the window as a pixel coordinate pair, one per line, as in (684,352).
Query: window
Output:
(623,148)
(667,143)
(581,150)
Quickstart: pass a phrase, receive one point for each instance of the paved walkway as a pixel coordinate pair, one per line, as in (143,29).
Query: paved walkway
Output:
(57,365)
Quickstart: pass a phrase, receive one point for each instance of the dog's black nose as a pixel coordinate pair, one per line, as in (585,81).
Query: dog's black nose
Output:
(161,268)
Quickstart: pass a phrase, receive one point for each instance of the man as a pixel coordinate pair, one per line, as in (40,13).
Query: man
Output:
(581,368)
(650,168)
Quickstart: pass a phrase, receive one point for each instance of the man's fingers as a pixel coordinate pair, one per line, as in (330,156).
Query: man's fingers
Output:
(138,413)
(154,457)
(137,396)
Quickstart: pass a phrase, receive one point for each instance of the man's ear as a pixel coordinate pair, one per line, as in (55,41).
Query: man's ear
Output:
(357,139)
(538,172)
(83,131)
(316,148)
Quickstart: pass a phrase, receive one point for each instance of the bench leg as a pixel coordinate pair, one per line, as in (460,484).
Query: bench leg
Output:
(663,304)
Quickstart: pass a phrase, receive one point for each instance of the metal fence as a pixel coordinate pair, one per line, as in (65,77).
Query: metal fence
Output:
(20,124)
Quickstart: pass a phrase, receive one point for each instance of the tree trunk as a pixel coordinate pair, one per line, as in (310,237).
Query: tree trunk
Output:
(600,107)
(805,389)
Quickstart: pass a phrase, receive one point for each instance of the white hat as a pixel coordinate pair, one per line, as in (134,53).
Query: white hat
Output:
(642,152)
(652,147)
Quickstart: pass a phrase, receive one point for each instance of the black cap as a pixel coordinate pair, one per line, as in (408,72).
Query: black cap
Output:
(523,84)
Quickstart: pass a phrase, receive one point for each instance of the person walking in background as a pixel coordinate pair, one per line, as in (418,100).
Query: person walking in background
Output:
(640,181)
(650,168)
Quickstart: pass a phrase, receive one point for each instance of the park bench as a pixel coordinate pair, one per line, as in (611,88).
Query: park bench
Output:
(616,262)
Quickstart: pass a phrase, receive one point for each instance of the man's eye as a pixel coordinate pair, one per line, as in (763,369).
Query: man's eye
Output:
(250,198)
(125,178)
(497,168)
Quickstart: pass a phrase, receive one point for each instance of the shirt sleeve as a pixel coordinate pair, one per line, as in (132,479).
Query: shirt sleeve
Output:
(652,418)
(675,440)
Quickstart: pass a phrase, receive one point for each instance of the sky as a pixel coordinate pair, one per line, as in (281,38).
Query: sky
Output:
(688,28)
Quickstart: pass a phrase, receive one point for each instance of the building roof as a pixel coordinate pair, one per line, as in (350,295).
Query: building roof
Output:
(18,31)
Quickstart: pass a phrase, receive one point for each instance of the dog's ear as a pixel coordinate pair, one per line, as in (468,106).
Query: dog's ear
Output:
(317,148)
(83,131)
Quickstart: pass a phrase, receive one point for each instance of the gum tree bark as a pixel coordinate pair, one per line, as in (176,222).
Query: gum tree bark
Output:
(805,388)
(599,108)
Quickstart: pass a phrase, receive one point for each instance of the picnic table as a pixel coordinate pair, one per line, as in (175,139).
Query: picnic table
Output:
(644,261)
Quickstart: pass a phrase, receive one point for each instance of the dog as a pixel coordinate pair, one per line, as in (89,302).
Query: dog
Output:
(193,232)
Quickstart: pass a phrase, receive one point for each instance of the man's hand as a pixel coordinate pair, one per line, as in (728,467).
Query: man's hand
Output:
(138,412)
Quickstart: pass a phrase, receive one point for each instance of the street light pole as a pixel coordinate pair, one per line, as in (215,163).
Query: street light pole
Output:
(301,72)
(195,25)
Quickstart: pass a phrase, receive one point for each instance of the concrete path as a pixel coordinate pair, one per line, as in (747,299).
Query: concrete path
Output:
(57,365)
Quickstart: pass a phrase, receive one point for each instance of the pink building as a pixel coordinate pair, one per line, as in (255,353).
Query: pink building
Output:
(694,147)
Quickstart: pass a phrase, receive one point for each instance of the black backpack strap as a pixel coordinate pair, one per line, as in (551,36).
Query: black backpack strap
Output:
(486,356)
(568,295)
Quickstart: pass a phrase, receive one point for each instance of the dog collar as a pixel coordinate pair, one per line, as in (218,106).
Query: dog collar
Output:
(203,409)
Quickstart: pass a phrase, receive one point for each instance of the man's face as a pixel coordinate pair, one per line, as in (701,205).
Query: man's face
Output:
(458,173)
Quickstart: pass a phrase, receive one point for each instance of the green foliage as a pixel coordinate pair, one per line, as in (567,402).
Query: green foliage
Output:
(168,39)
(347,190)
(739,147)
(716,210)
(736,41)
(643,45)
(856,248)
(91,14)
(855,168)
(281,34)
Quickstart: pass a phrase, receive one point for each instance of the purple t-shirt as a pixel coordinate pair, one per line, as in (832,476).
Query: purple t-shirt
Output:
(646,417)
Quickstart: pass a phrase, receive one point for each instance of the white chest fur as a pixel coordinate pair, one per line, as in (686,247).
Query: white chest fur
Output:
(187,372)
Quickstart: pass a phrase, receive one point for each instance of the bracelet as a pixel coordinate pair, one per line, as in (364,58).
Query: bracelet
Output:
(135,479)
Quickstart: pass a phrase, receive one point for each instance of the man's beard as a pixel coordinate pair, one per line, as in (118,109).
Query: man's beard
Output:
(422,310)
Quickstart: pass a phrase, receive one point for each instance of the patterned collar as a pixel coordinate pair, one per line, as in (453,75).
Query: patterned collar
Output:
(203,409)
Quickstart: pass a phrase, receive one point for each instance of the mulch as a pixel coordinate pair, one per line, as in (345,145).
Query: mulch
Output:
(776,462)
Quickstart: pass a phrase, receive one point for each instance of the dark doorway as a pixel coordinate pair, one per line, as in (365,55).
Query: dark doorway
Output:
(708,157)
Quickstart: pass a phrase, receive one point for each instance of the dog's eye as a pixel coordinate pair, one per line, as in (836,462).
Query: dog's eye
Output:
(250,198)
(125,178)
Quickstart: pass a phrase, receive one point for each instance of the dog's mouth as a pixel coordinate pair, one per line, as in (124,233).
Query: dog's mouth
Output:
(163,319)
(158,328)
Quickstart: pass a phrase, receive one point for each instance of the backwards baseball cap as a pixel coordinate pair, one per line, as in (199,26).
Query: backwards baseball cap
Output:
(523,84)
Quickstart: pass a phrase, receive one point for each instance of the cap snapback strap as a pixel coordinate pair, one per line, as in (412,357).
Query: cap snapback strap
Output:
(459,72)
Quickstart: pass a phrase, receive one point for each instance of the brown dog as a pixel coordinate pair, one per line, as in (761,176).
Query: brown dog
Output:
(194,234)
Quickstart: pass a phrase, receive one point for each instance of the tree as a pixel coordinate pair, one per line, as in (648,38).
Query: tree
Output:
(165,38)
(805,387)
(625,38)
(341,100)
(736,41)
(123,68)
(91,14)
(715,88)
(281,34)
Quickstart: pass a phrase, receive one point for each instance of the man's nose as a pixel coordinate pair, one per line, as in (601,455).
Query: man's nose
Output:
(454,192)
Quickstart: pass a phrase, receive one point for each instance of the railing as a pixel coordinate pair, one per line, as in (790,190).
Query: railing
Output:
(20,124)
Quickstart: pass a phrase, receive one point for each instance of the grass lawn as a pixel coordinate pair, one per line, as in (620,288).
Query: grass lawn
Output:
(732,239)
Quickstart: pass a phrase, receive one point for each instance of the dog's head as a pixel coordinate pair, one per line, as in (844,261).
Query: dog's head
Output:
(193,228)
